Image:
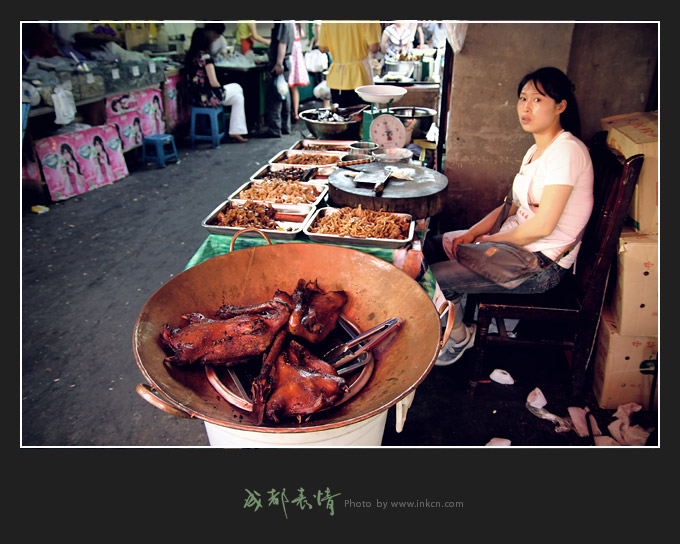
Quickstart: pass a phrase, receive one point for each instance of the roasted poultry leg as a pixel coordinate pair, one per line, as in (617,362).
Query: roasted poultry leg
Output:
(262,384)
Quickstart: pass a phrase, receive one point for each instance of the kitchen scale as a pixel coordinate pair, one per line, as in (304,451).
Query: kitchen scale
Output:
(379,127)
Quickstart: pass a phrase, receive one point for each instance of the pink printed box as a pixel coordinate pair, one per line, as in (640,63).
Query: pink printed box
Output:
(121,103)
(129,126)
(147,105)
(177,110)
(81,161)
(150,109)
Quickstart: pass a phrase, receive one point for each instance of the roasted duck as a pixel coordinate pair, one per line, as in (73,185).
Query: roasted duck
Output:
(301,384)
(236,335)
(316,311)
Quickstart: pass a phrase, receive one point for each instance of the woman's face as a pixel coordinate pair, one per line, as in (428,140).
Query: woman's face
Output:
(538,113)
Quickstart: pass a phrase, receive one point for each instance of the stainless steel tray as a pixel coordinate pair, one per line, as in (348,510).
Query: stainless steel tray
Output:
(355,240)
(282,156)
(311,145)
(288,230)
(320,187)
(320,176)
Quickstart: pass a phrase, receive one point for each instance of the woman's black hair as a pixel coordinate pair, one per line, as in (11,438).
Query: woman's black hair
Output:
(200,41)
(554,83)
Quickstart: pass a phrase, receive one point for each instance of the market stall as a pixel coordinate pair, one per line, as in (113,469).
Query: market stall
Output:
(273,234)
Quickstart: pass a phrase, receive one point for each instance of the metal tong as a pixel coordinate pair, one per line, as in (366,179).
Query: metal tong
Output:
(343,354)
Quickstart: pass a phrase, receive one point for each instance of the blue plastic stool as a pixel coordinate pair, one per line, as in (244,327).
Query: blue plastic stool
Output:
(159,148)
(217,120)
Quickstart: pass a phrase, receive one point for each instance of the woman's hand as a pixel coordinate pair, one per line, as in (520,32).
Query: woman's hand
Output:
(466,238)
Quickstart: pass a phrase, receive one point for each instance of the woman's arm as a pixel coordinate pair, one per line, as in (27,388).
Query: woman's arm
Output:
(553,201)
(256,35)
(212,75)
(383,42)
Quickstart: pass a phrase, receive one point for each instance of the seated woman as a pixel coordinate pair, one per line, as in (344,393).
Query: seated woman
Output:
(204,88)
(552,202)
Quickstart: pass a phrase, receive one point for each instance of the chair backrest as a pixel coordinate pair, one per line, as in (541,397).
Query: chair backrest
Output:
(614,184)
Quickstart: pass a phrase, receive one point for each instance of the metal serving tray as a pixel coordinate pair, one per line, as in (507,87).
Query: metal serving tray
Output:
(355,240)
(288,230)
(320,176)
(321,187)
(310,145)
(282,156)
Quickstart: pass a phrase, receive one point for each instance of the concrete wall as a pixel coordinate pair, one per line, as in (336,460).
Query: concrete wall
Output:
(612,66)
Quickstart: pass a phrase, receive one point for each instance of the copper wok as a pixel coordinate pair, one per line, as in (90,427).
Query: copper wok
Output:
(377,291)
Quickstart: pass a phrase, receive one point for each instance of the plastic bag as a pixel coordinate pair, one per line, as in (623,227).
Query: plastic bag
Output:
(322,91)
(64,105)
(316,61)
(282,86)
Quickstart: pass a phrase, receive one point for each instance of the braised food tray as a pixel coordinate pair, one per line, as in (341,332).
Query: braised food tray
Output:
(358,240)
(323,145)
(285,229)
(319,188)
(320,175)
(310,159)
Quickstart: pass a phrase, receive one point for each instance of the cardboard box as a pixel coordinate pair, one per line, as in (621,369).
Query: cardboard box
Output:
(632,134)
(635,303)
(624,365)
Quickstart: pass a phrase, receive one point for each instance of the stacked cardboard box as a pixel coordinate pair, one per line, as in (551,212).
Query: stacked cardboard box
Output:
(626,354)
(632,134)
(624,366)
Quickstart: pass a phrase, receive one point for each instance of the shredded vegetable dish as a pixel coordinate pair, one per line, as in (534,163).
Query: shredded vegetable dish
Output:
(281,192)
(362,223)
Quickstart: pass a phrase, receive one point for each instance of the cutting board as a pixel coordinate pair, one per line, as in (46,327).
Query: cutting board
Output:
(423,196)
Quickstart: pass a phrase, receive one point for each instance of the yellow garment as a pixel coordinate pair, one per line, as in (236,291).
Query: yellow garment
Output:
(348,44)
(243,30)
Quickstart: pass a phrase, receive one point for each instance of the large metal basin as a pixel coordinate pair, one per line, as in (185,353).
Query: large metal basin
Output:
(377,291)
(331,130)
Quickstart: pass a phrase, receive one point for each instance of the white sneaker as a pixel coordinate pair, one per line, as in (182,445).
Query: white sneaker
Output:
(453,351)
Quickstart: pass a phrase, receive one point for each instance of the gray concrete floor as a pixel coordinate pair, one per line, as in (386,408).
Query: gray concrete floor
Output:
(91,262)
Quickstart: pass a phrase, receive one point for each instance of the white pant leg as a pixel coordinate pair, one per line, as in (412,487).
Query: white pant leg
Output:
(233,96)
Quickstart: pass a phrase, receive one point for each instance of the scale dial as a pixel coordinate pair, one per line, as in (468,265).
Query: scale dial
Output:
(388,131)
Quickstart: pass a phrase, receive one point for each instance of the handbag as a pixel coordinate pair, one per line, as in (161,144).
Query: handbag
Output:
(505,263)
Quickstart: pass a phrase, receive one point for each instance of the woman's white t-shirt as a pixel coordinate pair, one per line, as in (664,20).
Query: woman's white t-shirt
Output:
(565,162)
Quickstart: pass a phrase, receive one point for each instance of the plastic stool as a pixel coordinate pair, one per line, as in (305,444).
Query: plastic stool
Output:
(157,143)
(217,120)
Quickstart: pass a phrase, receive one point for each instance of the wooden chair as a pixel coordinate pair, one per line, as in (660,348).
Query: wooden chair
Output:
(568,315)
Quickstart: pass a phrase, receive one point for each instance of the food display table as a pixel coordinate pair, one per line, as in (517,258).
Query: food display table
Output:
(424,196)
(404,258)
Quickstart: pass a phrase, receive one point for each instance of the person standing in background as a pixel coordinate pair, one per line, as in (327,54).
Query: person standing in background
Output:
(218,47)
(351,46)
(247,35)
(298,71)
(398,38)
(277,98)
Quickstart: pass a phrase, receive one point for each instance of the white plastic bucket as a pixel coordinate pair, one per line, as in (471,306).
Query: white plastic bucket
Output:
(368,432)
